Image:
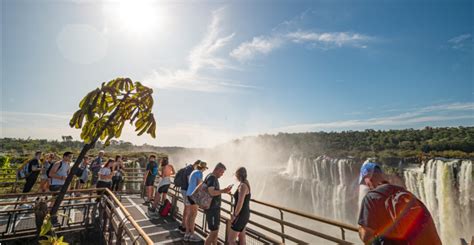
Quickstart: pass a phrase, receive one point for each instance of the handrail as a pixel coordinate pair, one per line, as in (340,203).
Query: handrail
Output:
(113,203)
(129,217)
(309,216)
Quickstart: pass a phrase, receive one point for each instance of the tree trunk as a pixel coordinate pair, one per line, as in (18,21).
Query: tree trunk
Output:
(85,149)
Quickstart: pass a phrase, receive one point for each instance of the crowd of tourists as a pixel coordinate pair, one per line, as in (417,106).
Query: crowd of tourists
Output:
(190,180)
(388,214)
(52,172)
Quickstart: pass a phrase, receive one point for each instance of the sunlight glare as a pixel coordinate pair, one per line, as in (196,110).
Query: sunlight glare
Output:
(138,17)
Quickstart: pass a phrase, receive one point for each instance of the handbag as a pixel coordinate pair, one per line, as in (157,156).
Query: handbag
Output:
(201,196)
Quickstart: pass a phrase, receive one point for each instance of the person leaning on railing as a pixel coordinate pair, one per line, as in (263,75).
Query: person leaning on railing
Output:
(241,214)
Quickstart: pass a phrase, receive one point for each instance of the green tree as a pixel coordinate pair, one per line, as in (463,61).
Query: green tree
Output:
(102,115)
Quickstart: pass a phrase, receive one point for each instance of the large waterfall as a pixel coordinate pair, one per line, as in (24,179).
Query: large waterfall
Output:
(447,189)
(329,183)
(330,186)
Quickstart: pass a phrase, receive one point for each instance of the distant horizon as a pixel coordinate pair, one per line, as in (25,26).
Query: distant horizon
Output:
(243,137)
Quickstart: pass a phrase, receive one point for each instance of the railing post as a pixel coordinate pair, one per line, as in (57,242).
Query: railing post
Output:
(227,228)
(174,202)
(282,226)
(343,234)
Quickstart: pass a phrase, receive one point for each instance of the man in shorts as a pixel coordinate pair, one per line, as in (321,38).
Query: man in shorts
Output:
(213,214)
(149,178)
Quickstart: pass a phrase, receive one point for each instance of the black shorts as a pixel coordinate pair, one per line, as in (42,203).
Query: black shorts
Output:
(55,187)
(191,200)
(103,184)
(150,180)
(213,218)
(163,189)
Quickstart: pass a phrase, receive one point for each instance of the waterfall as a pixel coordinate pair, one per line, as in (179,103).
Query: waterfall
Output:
(446,188)
(328,183)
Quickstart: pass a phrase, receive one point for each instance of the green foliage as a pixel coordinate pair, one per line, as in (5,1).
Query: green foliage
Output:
(4,162)
(103,112)
(47,228)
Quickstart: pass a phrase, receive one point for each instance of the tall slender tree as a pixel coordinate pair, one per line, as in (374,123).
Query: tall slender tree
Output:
(102,115)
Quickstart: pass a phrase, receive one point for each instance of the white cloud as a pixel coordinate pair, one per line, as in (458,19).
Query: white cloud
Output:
(460,41)
(330,39)
(283,34)
(258,45)
(203,57)
(430,114)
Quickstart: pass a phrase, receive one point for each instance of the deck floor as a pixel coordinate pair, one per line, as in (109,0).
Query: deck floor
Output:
(160,230)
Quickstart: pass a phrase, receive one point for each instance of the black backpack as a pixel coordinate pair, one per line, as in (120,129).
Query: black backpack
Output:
(180,179)
(51,167)
(78,171)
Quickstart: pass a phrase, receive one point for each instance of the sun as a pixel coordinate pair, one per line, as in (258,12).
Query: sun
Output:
(138,16)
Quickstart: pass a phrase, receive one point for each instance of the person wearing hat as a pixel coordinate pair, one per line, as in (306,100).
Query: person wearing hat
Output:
(194,180)
(390,214)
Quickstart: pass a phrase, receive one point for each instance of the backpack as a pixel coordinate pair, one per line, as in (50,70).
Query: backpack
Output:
(408,215)
(51,167)
(23,172)
(165,208)
(180,179)
(154,170)
(78,171)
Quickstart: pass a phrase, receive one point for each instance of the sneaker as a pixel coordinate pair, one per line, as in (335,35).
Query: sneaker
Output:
(181,229)
(151,212)
(146,203)
(186,237)
(194,238)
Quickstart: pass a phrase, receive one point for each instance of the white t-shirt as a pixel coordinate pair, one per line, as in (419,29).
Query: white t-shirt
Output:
(106,172)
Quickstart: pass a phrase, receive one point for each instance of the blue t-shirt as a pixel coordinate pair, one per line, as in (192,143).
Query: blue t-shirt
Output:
(195,176)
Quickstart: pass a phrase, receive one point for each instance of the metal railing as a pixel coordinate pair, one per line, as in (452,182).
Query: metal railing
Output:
(261,232)
(86,210)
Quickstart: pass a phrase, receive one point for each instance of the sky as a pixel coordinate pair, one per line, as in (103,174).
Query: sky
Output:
(226,69)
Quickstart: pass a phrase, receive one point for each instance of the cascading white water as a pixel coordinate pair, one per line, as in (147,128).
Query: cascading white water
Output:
(329,182)
(330,185)
(447,189)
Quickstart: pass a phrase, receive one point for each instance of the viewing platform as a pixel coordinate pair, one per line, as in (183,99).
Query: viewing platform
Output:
(100,216)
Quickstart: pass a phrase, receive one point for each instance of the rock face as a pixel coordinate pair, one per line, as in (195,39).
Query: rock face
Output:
(328,187)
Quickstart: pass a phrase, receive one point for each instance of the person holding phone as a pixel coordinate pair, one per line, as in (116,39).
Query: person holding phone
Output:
(213,214)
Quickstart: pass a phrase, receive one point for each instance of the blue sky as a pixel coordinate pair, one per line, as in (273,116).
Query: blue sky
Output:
(225,69)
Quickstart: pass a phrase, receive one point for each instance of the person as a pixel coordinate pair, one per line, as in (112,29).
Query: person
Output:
(85,173)
(44,184)
(390,214)
(105,175)
(166,171)
(241,215)
(95,167)
(195,178)
(187,172)
(149,178)
(32,172)
(118,173)
(213,213)
(59,172)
